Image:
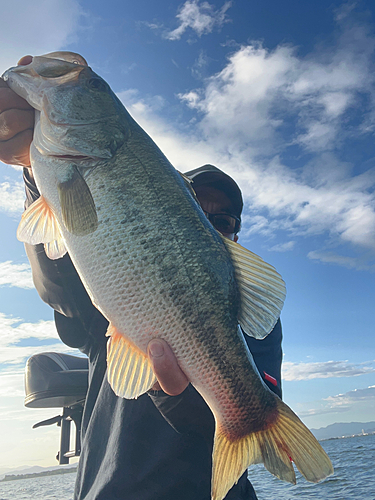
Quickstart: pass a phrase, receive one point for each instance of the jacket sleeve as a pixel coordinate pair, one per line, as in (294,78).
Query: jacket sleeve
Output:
(186,413)
(268,356)
(59,285)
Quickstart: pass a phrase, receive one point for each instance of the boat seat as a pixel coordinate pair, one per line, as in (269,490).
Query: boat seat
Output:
(55,380)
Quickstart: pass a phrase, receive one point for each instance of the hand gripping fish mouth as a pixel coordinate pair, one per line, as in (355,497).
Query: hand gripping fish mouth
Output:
(191,289)
(68,100)
(49,67)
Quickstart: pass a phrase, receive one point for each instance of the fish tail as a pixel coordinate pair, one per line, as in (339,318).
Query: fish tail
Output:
(287,439)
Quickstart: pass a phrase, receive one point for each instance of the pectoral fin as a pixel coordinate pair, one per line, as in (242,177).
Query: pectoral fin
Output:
(77,204)
(55,249)
(262,291)
(39,225)
(129,371)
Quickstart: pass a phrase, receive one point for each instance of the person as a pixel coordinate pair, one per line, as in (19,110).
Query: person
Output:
(159,446)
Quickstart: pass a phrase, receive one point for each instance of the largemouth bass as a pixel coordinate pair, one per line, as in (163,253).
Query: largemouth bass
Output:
(155,267)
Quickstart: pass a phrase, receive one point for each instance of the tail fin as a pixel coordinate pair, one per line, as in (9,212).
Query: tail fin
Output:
(286,440)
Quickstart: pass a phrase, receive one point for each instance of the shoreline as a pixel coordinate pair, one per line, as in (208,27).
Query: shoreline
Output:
(54,472)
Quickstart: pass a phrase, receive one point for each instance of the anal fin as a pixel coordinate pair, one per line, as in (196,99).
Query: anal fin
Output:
(130,373)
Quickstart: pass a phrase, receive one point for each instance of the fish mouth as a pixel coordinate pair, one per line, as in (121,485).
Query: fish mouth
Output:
(76,158)
(76,123)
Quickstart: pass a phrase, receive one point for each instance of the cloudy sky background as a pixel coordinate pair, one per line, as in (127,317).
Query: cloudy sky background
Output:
(279,95)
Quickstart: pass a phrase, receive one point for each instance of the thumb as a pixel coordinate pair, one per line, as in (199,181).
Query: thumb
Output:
(171,378)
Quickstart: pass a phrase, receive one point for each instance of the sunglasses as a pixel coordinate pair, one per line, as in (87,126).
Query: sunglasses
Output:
(224,223)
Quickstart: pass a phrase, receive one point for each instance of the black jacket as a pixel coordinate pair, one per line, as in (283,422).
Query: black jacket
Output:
(156,447)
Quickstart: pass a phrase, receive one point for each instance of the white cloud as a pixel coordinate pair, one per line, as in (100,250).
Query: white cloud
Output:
(322,197)
(12,385)
(12,196)
(18,420)
(13,357)
(335,103)
(41,27)
(183,151)
(352,397)
(236,103)
(283,247)
(198,69)
(260,90)
(359,263)
(319,136)
(13,330)
(18,275)
(191,98)
(16,355)
(265,101)
(328,369)
(354,403)
(202,18)
(322,409)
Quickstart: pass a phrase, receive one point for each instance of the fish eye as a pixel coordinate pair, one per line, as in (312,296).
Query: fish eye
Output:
(97,84)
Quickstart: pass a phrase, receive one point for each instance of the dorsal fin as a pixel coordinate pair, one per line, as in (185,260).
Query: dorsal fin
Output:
(262,291)
(189,184)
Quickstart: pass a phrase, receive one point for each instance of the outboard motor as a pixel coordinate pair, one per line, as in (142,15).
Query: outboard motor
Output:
(56,380)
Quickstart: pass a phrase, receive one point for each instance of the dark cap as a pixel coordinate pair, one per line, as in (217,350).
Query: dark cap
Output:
(213,176)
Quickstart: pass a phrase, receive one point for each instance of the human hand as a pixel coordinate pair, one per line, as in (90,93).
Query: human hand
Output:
(16,125)
(171,379)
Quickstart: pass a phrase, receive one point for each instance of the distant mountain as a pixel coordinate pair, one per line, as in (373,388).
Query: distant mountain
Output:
(36,469)
(343,429)
(23,469)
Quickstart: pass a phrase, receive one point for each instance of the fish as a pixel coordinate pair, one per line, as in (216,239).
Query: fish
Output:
(155,267)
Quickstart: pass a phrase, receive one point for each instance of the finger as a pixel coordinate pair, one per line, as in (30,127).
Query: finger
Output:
(14,121)
(9,99)
(25,60)
(16,151)
(171,378)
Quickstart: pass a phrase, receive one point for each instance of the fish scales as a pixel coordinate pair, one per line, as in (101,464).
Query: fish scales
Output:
(163,259)
(155,267)
(139,306)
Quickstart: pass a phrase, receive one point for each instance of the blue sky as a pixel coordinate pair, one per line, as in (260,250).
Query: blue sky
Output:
(281,96)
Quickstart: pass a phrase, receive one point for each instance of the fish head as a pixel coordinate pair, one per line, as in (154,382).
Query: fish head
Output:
(77,114)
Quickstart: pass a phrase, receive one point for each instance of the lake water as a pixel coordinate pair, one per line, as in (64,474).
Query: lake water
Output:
(354,478)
